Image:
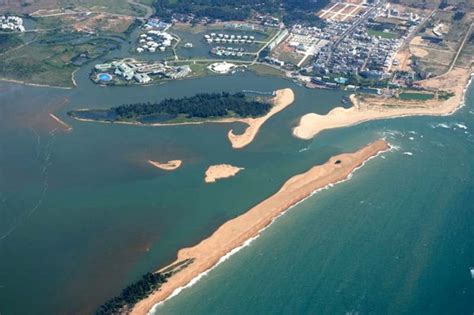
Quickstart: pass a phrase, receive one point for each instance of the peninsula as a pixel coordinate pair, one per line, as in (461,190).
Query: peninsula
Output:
(237,231)
(168,166)
(199,109)
(216,172)
(366,108)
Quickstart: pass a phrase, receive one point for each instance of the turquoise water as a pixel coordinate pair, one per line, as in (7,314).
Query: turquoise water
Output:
(395,238)
(82,214)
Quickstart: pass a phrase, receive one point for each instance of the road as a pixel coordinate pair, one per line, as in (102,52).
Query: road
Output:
(466,37)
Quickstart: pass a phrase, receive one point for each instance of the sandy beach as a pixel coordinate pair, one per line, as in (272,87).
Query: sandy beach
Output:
(167,166)
(216,172)
(366,108)
(237,231)
(283,98)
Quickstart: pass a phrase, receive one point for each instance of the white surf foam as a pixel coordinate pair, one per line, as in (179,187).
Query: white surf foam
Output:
(461,125)
(407,153)
(154,310)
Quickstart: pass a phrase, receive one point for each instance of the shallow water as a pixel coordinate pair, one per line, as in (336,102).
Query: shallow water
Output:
(82,214)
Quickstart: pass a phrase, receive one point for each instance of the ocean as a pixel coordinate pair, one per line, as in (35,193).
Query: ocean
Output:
(82,214)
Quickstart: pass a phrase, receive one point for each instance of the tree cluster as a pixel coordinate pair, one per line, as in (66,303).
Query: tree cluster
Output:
(294,11)
(202,105)
(132,294)
(303,11)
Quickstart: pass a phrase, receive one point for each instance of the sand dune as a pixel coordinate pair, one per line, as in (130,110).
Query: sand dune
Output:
(237,231)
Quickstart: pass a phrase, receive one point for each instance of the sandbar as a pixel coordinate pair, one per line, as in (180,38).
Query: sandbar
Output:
(366,108)
(167,166)
(236,232)
(216,172)
(282,99)
(62,123)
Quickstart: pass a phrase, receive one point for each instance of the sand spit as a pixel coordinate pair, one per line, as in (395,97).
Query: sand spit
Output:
(35,84)
(168,166)
(368,108)
(62,123)
(283,98)
(216,172)
(238,231)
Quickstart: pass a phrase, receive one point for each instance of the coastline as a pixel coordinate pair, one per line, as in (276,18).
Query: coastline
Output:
(366,109)
(221,171)
(240,231)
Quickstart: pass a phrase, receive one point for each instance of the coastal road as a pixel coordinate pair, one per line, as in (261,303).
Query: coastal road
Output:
(466,37)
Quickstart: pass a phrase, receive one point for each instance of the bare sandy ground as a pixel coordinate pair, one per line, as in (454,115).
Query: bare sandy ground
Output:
(216,172)
(168,166)
(235,232)
(371,107)
(283,98)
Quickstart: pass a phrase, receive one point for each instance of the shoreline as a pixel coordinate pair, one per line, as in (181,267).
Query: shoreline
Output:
(240,231)
(372,108)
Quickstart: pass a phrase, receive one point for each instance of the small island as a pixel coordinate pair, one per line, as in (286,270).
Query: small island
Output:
(198,108)
(168,166)
(216,172)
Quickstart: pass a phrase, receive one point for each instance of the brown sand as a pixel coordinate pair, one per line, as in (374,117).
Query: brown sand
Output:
(372,107)
(235,232)
(282,99)
(215,172)
(168,166)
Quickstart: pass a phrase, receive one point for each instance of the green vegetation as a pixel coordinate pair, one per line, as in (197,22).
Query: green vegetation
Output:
(418,96)
(374,32)
(110,6)
(52,59)
(294,11)
(200,106)
(133,293)
(9,41)
(264,69)
(444,95)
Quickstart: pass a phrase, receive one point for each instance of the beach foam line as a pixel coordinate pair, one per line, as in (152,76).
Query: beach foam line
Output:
(312,124)
(154,310)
